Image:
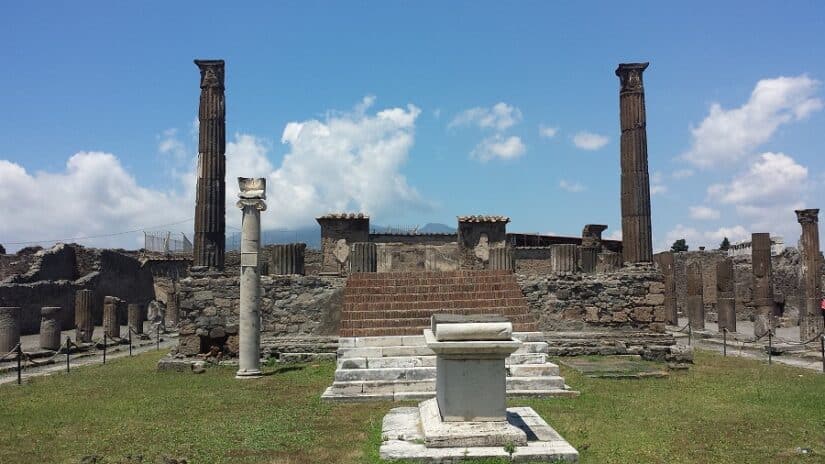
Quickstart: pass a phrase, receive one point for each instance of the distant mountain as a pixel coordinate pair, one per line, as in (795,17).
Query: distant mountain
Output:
(436,228)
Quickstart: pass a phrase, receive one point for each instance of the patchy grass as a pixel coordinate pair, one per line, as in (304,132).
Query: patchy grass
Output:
(724,410)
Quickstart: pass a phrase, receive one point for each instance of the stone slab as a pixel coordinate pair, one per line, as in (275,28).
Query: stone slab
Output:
(544,444)
(474,331)
(441,434)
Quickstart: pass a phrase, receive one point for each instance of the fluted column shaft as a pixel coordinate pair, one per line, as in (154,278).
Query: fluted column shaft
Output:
(83,315)
(50,328)
(762,288)
(210,206)
(637,244)
(811,322)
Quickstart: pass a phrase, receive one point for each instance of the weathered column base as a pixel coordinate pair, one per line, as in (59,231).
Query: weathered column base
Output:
(249,374)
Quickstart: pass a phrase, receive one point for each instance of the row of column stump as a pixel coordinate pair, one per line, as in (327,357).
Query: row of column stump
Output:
(51,317)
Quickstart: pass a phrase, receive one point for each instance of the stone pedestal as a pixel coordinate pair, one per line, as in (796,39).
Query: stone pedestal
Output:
(363,258)
(50,328)
(252,195)
(811,317)
(287,259)
(9,328)
(637,243)
(111,325)
(135,317)
(695,300)
(563,258)
(83,315)
(725,298)
(762,288)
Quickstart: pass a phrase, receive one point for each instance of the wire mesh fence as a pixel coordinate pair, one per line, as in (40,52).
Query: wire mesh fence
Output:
(166,242)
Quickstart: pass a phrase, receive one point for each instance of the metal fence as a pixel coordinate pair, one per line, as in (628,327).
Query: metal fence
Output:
(166,242)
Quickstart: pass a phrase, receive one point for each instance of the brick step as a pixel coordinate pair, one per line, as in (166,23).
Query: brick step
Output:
(417,340)
(367,353)
(434,296)
(437,304)
(427,313)
(367,276)
(413,281)
(427,289)
(381,331)
(350,322)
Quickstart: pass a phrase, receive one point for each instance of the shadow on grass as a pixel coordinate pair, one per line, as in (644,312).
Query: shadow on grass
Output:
(284,370)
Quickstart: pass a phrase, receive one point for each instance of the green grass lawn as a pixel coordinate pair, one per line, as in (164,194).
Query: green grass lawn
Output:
(725,410)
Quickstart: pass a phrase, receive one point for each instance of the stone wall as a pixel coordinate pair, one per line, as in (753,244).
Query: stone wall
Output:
(290,305)
(407,257)
(630,298)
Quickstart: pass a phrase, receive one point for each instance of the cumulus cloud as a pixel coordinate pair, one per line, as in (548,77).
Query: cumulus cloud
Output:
(725,136)
(589,141)
(499,147)
(548,132)
(615,235)
(169,144)
(569,186)
(499,117)
(703,213)
(347,161)
(657,185)
(709,238)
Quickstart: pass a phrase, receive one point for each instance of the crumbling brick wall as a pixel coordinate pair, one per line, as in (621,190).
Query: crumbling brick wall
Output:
(630,298)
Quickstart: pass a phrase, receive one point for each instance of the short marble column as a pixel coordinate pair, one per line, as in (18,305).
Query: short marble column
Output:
(287,259)
(725,298)
(9,328)
(252,195)
(111,326)
(695,301)
(762,287)
(665,262)
(135,317)
(811,319)
(50,328)
(363,258)
(563,259)
(171,317)
(84,322)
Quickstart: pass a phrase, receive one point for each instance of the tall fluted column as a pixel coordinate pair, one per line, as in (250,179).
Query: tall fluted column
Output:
(210,206)
(252,196)
(725,297)
(762,287)
(811,322)
(637,245)
(695,298)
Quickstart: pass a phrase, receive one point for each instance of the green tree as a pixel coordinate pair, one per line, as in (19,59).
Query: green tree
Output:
(725,244)
(679,245)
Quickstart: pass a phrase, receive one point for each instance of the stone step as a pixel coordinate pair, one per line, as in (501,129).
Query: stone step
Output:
(419,350)
(428,385)
(528,377)
(516,359)
(381,331)
(347,321)
(531,370)
(387,374)
(378,289)
(445,308)
(417,340)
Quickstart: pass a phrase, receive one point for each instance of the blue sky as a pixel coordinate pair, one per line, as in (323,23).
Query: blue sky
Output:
(413,111)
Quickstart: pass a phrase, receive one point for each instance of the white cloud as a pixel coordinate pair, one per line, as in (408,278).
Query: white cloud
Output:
(709,239)
(615,235)
(727,135)
(734,234)
(573,187)
(773,181)
(589,140)
(681,174)
(347,162)
(703,213)
(547,131)
(500,147)
(657,185)
(691,236)
(498,117)
(169,144)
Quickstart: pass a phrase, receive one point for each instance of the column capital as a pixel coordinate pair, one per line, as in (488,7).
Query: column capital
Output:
(807,216)
(212,72)
(630,77)
(252,193)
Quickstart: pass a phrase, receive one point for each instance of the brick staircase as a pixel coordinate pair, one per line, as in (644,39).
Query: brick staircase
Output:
(381,350)
(401,303)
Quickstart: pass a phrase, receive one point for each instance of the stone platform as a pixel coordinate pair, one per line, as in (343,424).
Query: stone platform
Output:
(403,368)
(405,433)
